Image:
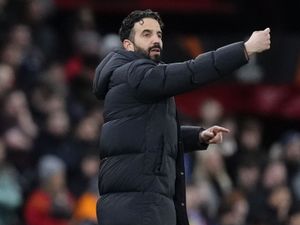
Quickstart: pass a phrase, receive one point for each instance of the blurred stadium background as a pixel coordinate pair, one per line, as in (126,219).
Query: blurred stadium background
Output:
(50,121)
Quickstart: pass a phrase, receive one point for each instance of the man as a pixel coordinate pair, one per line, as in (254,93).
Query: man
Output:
(141,178)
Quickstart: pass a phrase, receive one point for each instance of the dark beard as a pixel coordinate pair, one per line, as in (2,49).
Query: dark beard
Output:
(156,58)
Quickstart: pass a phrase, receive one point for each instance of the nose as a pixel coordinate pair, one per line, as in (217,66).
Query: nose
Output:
(156,39)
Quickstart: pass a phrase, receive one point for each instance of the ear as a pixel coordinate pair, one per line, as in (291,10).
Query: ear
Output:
(128,45)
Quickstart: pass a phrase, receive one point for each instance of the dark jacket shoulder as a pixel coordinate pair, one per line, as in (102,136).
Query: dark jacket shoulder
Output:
(108,65)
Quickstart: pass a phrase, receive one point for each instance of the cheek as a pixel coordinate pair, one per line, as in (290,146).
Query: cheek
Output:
(142,44)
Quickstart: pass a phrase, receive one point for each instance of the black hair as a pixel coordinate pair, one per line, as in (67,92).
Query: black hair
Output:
(125,30)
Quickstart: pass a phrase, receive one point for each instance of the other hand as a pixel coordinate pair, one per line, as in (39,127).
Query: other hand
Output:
(213,135)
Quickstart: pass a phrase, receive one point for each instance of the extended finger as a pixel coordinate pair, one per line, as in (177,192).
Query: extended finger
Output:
(220,129)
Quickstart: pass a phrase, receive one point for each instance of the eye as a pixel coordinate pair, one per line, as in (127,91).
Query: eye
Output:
(146,34)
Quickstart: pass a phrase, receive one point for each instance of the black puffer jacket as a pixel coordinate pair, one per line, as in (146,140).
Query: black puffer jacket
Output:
(141,180)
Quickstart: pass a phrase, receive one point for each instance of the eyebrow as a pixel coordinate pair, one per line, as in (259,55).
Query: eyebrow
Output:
(147,30)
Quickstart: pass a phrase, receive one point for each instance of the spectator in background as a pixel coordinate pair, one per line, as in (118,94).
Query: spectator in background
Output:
(109,42)
(54,139)
(274,175)
(279,203)
(50,93)
(54,77)
(85,213)
(291,157)
(251,137)
(294,216)
(7,79)
(248,175)
(22,53)
(81,99)
(233,209)
(83,164)
(45,101)
(86,44)
(211,167)
(210,112)
(38,14)
(229,147)
(248,182)
(11,55)
(19,132)
(208,201)
(249,142)
(210,170)
(16,113)
(84,140)
(51,203)
(194,205)
(10,190)
(87,172)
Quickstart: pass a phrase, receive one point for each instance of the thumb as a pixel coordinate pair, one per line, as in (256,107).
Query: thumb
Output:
(267,30)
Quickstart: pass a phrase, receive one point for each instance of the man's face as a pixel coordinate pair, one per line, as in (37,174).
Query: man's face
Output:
(147,38)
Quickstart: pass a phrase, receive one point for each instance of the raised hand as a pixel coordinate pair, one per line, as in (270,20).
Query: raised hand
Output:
(259,41)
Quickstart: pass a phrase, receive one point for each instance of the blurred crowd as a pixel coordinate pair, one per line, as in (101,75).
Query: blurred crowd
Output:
(50,123)
(242,181)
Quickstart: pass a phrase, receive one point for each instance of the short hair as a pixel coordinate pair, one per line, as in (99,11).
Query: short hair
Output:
(125,30)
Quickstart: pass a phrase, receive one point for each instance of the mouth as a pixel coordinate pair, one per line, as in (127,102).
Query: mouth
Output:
(156,50)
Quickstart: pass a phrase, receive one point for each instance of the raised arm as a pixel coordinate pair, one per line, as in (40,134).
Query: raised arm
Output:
(151,81)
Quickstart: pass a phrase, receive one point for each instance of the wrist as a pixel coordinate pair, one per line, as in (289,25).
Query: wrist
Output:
(248,48)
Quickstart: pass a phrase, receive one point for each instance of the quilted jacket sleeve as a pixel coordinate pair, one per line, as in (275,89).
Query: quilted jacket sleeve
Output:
(153,82)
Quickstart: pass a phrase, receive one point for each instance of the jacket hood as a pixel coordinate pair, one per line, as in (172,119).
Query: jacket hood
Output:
(108,65)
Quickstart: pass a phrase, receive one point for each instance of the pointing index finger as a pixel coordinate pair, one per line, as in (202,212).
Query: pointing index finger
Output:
(221,129)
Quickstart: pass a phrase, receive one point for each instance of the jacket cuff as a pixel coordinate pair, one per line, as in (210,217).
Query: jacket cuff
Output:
(201,143)
(190,138)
